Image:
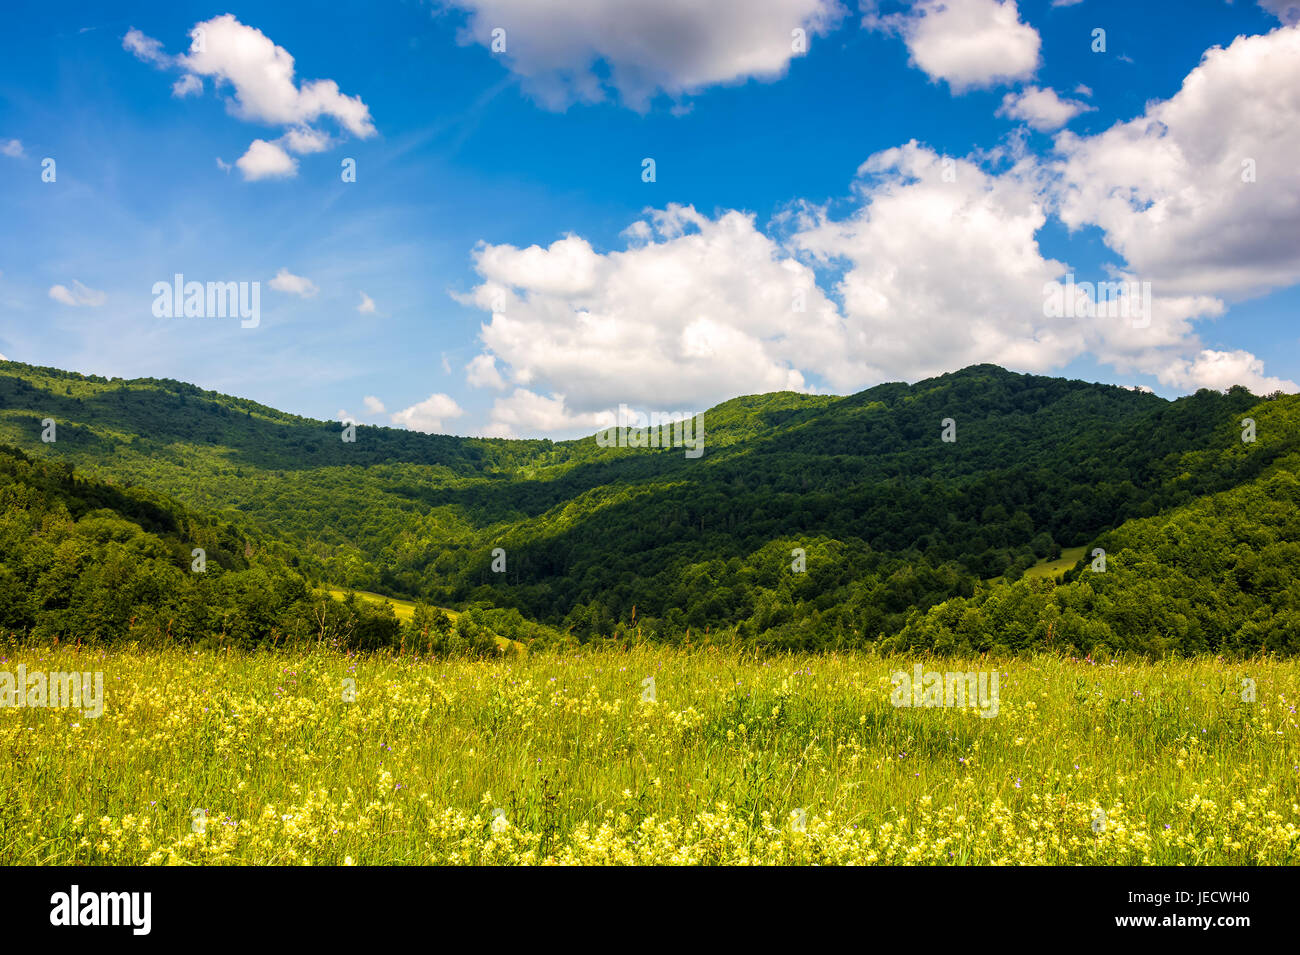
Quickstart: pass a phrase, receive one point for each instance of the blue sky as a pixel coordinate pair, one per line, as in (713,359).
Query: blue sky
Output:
(914,174)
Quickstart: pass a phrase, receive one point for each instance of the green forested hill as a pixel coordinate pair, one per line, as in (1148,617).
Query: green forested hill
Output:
(893,521)
(1221,574)
(84,561)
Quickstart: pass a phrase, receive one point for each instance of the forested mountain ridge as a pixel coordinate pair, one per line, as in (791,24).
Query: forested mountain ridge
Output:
(1219,575)
(83,561)
(892,519)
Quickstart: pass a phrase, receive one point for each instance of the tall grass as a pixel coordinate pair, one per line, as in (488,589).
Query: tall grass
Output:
(740,759)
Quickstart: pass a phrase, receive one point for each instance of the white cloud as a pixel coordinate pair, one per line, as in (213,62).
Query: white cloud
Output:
(940,274)
(482,373)
(187,85)
(567,51)
(943,274)
(266,161)
(13,149)
(567,267)
(1041,108)
(968,43)
(697,309)
(429,415)
(525,412)
(3,358)
(146,48)
(1288,11)
(1222,370)
(304,139)
(1083,89)
(260,76)
(367,306)
(373,404)
(936,265)
(78,295)
(286,281)
(939,267)
(1168,187)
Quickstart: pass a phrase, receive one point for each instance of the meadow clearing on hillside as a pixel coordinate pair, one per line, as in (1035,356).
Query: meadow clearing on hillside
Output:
(1049,569)
(557,758)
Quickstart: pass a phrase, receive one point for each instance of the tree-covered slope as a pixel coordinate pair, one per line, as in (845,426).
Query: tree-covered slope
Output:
(891,519)
(1218,575)
(83,561)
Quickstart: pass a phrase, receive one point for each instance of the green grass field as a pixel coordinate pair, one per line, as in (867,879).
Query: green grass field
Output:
(559,759)
(1052,568)
(405,608)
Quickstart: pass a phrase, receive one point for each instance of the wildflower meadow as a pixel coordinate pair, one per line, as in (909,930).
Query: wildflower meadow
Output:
(647,756)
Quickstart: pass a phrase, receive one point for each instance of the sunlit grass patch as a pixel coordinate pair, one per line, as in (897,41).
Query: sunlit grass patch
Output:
(739,760)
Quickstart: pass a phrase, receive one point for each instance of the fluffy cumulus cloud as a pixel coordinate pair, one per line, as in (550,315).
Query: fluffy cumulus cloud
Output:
(932,264)
(305,140)
(936,266)
(1200,193)
(367,306)
(429,415)
(940,268)
(1041,108)
(567,51)
(259,76)
(266,160)
(286,281)
(1223,369)
(967,43)
(482,373)
(525,412)
(78,295)
(696,308)
(12,148)
(373,404)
